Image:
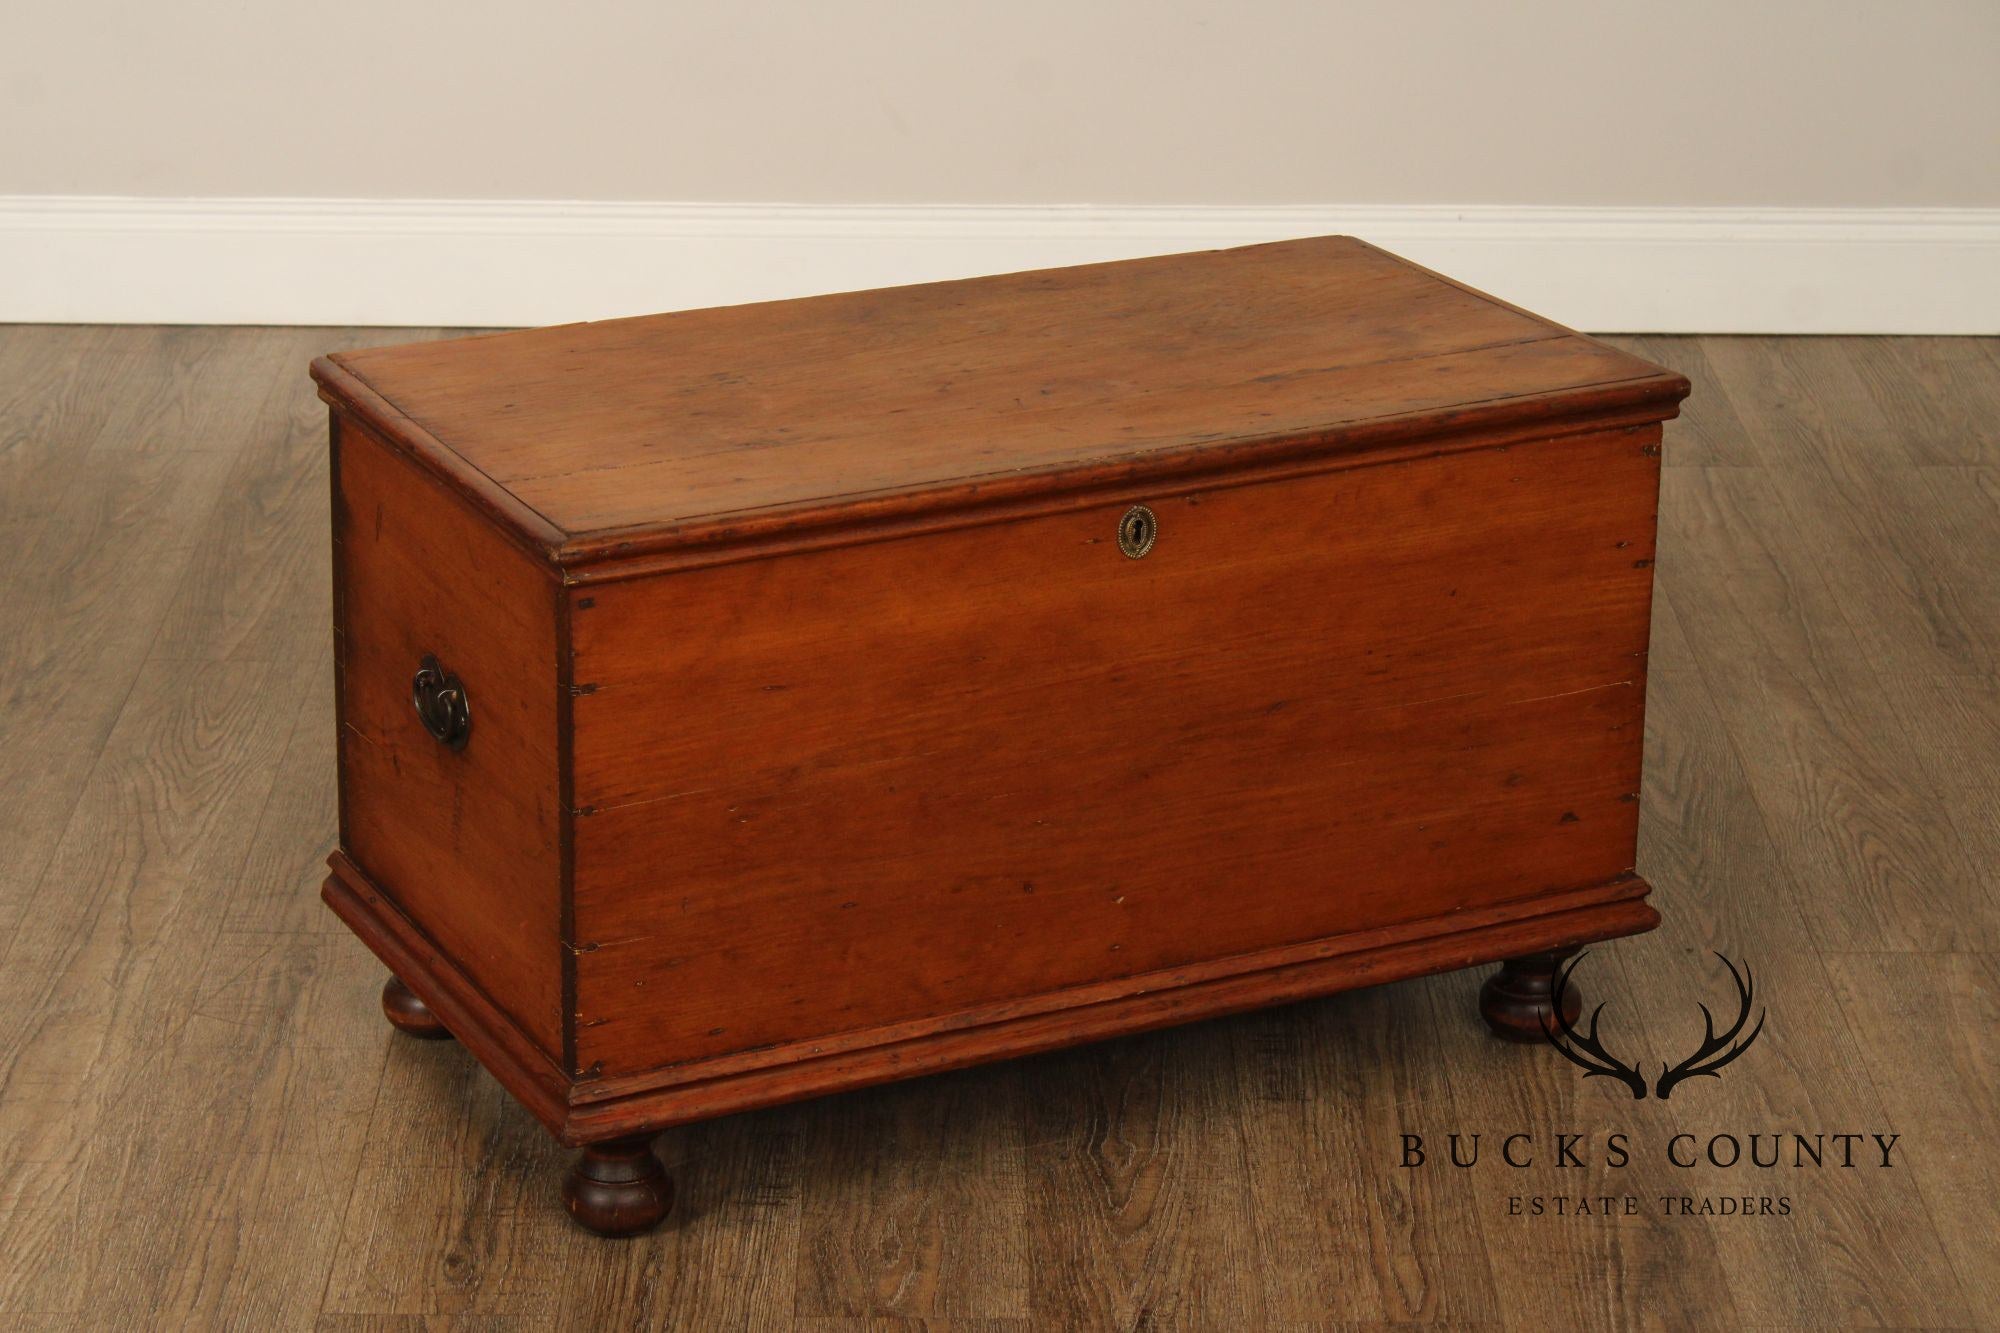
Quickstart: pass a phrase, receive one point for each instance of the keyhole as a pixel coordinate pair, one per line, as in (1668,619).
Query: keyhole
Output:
(1137,531)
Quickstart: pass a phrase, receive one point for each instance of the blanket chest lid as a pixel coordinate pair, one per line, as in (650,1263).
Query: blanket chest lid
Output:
(618,438)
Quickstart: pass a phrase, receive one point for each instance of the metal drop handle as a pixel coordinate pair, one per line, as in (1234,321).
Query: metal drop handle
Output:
(439,698)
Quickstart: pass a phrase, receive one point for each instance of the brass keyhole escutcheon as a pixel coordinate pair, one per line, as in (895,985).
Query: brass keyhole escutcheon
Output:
(1137,531)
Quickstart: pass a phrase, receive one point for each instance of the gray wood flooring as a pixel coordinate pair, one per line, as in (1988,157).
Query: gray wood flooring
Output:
(205,1123)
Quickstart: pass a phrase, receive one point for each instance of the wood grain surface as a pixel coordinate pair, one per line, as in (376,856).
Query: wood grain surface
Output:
(468,841)
(602,440)
(205,1123)
(893,789)
(861,787)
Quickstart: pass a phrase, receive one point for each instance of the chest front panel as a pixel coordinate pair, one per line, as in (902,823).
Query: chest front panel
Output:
(900,780)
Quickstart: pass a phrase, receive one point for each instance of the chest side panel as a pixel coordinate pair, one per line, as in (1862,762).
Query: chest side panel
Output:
(464,842)
(873,784)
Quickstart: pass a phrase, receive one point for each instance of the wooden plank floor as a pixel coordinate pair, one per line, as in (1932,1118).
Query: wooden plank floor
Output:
(205,1123)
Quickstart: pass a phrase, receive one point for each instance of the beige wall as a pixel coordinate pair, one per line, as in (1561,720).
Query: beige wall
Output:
(1748,102)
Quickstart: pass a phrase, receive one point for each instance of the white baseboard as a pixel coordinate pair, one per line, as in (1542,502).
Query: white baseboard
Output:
(489,263)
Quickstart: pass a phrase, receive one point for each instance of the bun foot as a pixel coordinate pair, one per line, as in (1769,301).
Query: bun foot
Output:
(1516,999)
(618,1188)
(409,1014)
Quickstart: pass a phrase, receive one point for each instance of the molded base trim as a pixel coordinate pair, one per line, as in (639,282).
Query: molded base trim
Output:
(587,1112)
(480,1025)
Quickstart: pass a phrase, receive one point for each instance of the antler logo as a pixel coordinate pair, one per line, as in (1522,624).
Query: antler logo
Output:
(1584,1050)
(1588,1052)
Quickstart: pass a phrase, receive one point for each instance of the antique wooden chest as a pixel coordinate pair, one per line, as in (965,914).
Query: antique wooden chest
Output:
(749,703)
